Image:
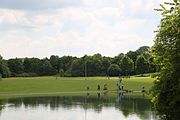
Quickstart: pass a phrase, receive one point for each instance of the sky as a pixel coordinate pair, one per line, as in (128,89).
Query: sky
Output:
(41,28)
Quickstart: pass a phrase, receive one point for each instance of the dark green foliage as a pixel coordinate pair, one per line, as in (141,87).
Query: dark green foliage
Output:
(32,65)
(114,70)
(153,67)
(143,49)
(65,62)
(4,70)
(77,67)
(46,68)
(142,65)
(133,55)
(54,60)
(15,66)
(126,65)
(106,62)
(166,91)
(117,59)
(61,73)
(96,65)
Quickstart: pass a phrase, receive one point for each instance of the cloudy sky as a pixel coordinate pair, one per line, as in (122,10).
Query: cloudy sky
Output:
(40,28)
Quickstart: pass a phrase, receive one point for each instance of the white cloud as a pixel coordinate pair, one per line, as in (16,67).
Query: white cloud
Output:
(106,27)
(12,17)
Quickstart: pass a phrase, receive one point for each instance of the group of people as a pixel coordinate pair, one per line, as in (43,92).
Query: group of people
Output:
(118,85)
(99,87)
(105,87)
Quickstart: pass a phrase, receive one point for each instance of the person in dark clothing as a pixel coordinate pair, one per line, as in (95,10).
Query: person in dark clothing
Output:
(119,87)
(98,87)
(143,90)
(87,88)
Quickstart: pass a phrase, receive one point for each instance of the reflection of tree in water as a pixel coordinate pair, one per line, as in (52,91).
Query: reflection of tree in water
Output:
(127,104)
(1,106)
(131,105)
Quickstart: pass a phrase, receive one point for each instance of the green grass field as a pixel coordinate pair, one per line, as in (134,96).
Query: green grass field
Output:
(68,84)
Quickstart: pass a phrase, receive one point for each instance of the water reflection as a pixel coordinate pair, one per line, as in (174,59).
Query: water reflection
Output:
(117,106)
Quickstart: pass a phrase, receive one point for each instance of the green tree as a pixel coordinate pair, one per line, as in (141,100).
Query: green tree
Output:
(117,59)
(126,65)
(151,61)
(32,65)
(54,60)
(77,67)
(94,65)
(15,66)
(65,62)
(114,70)
(133,55)
(106,62)
(4,70)
(142,65)
(142,49)
(166,90)
(61,73)
(46,68)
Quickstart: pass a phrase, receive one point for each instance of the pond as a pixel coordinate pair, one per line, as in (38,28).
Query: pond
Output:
(118,106)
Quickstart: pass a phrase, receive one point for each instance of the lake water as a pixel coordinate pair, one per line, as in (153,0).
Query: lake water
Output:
(84,107)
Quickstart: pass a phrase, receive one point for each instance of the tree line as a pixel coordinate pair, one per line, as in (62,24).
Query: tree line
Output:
(131,63)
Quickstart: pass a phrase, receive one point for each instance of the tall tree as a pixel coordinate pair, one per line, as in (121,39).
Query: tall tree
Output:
(114,70)
(32,65)
(65,62)
(117,59)
(126,65)
(54,60)
(133,55)
(142,65)
(106,62)
(16,66)
(166,90)
(77,67)
(142,49)
(46,68)
(4,70)
(94,65)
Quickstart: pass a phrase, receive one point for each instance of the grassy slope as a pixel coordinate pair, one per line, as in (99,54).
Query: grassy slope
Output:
(70,84)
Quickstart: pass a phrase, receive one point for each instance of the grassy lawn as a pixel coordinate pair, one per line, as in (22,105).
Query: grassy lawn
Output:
(68,84)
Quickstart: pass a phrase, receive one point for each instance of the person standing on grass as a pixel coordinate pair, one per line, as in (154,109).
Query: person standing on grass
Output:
(98,87)
(87,88)
(143,90)
(122,87)
(119,87)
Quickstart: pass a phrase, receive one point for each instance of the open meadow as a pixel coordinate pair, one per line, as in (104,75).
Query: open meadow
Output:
(50,84)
